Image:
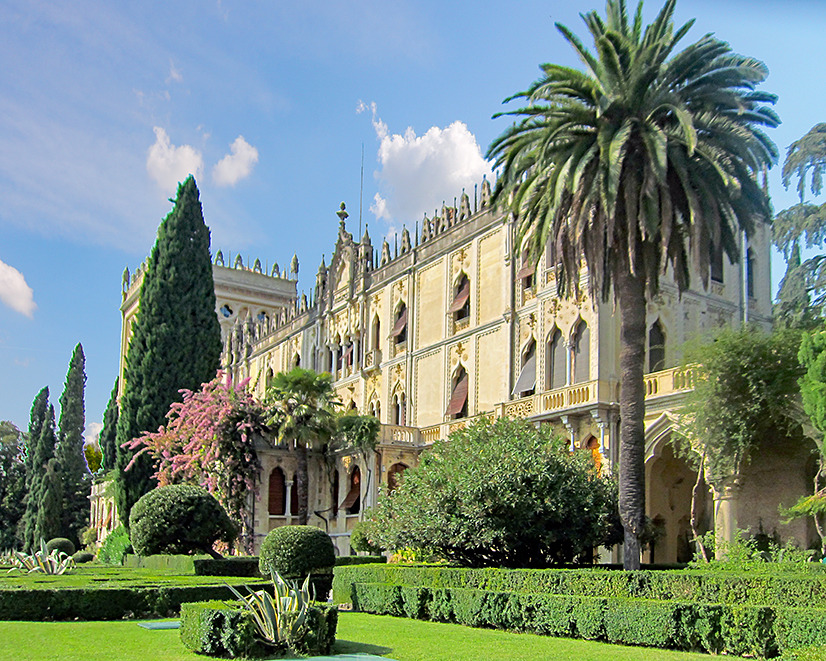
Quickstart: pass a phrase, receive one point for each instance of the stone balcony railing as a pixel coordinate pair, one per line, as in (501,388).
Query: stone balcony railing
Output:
(578,396)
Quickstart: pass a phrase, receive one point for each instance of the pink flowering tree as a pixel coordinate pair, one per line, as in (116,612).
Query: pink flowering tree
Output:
(210,441)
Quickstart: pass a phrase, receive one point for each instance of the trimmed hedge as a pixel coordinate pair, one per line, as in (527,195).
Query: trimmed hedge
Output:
(61,544)
(106,603)
(715,628)
(232,566)
(801,590)
(296,551)
(348,560)
(182,564)
(227,629)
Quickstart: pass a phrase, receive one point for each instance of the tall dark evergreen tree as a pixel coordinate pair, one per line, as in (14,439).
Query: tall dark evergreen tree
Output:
(33,473)
(12,484)
(109,432)
(69,452)
(47,487)
(176,342)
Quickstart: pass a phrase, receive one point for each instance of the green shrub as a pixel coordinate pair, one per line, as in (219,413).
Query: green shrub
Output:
(345,560)
(531,503)
(61,544)
(82,557)
(181,519)
(296,551)
(359,541)
(115,547)
(219,629)
(234,566)
(180,564)
(226,629)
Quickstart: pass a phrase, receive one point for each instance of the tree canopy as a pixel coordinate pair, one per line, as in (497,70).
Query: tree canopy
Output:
(176,342)
(647,159)
(12,484)
(74,474)
(502,494)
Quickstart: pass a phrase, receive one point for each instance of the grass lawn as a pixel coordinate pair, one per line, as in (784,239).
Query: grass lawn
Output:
(396,638)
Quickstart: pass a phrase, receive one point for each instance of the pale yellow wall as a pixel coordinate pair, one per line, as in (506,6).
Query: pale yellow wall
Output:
(492,278)
(429,383)
(491,369)
(431,307)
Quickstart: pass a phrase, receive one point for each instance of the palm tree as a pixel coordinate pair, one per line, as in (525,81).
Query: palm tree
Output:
(301,404)
(644,160)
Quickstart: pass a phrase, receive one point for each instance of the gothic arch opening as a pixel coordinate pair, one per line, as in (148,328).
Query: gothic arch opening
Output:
(582,352)
(277,498)
(458,408)
(557,362)
(656,347)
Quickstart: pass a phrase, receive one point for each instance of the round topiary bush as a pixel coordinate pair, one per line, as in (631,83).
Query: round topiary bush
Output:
(295,551)
(61,544)
(179,519)
(82,556)
(359,540)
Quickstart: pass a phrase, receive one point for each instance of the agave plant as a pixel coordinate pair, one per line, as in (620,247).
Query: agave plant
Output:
(42,561)
(281,619)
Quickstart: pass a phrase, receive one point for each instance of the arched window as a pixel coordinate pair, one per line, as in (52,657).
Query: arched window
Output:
(393,475)
(457,408)
(375,409)
(716,262)
(400,409)
(352,406)
(526,270)
(460,307)
(656,348)
(750,258)
(526,383)
(277,501)
(296,360)
(400,326)
(352,503)
(376,333)
(582,353)
(269,378)
(557,362)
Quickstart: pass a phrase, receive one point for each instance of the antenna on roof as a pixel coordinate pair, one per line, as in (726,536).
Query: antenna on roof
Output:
(361,189)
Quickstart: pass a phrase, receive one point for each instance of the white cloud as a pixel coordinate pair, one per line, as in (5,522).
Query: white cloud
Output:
(168,165)
(174,74)
(14,291)
(92,433)
(237,165)
(418,173)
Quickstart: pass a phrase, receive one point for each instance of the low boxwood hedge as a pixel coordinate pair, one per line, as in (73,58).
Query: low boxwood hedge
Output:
(232,566)
(227,629)
(684,625)
(801,589)
(347,560)
(106,603)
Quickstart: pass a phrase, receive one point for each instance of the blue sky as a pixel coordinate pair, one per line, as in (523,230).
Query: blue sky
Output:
(104,106)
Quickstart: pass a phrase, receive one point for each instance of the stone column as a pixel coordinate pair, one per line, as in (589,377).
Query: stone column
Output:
(726,494)
(288,505)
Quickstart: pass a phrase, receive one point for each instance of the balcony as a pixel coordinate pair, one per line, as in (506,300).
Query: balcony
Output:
(372,359)
(657,384)
(399,435)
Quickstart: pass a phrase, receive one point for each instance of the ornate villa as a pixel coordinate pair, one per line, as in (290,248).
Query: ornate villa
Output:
(450,324)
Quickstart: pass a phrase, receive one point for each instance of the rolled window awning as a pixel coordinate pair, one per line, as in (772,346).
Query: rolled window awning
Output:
(525,271)
(401,324)
(461,298)
(527,377)
(459,397)
(352,497)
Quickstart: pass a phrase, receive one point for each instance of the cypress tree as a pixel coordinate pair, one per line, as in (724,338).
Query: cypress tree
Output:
(12,484)
(176,342)
(46,488)
(69,451)
(110,429)
(37,417)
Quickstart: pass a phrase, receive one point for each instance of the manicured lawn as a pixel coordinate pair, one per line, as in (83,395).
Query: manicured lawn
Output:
(396,638)
(103,576)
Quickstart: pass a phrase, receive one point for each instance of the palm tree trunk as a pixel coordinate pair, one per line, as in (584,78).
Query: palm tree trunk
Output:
(631,295)
(301,486)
